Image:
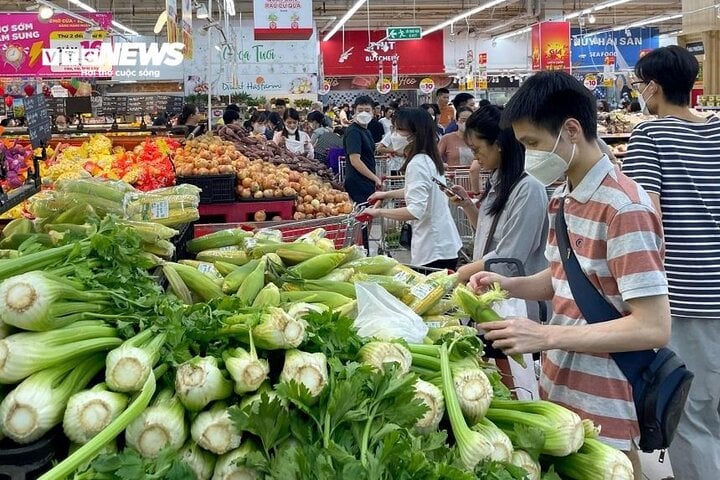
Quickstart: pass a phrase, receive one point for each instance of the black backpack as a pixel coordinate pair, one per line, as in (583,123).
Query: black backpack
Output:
(660,382)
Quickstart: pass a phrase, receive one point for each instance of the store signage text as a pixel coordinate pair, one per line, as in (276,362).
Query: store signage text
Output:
(591,40)
(99,55)
(22,31)
(256,54)
(252,87)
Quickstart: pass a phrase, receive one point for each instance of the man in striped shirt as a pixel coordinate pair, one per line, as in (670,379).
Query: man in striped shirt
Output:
(676,158)
(617,238)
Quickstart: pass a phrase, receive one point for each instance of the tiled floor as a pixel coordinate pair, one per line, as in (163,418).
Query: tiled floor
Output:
(652,469)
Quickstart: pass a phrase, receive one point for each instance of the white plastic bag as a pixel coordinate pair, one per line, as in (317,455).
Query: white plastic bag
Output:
(380,315)
(524,379)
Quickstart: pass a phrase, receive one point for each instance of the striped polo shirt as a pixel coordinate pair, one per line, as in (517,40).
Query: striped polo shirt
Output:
(617,239)
(680,161)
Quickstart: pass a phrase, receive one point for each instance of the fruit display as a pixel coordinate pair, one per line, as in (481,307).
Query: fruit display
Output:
(147,166)
(15,160)
(206,155)
(250,364)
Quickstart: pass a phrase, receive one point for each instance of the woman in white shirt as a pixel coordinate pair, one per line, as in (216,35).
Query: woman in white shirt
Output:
(386,121)
(435,239)
(393,144)
(290,137)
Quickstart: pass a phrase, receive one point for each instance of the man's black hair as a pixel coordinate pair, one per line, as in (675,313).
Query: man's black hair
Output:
(548,99)
(674,69)
(230,115)
(442,91)
(461,99)
(316,117)
(484,103)
(280,102)
(233,106)
(363,100)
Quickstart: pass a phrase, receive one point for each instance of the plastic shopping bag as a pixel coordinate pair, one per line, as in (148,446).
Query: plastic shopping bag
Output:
(380,315)
(524,379)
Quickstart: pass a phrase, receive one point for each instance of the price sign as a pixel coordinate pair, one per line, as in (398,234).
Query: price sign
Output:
(136,105)
(385,87)
(324,88)
(591,82)
(56,106)
(98,106)
(427,85)
(175,105)
(38,120)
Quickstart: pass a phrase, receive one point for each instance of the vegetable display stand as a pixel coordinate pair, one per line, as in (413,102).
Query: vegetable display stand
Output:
(238,212)
(25,462)
(215,188)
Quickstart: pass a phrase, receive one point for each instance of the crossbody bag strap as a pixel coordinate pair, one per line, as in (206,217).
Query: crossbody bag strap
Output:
(496,219)
(592,304)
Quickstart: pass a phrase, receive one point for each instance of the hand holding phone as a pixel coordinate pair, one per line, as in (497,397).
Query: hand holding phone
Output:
(447,191)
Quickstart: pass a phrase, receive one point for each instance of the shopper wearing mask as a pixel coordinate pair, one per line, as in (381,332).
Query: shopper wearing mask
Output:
(258,123)
(361,180)
(435,240)
(434,111)
(617,238)
(292,138)
(675,158)
(274,125)
(454,151)
(232,130)
(386,121)
(461,100)
(375,127)
(393,144)
(322,138)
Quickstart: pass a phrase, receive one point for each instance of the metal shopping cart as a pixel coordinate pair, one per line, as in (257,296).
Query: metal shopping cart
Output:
(389,238)
(382,167)
(461,177)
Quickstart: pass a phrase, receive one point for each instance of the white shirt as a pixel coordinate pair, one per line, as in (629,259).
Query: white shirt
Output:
(435,236)
(387,124)
(397,143)
(302,147)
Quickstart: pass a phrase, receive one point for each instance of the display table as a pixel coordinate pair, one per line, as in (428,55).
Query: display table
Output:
(238,212)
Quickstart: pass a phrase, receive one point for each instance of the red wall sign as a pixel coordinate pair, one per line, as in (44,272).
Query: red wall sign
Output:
(551,46)
(414,57)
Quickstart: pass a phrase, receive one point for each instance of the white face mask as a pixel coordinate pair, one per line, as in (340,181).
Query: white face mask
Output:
(547,167)
(363,118)
(643,102)
(257,128)
(399,142)
(291,131)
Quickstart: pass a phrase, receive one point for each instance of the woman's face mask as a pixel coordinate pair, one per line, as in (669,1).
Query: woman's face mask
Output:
(259,128)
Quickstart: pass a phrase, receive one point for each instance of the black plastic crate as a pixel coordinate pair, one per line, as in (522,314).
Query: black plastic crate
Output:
(215,188)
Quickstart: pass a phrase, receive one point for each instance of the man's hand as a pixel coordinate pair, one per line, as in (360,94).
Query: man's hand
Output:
(482,281)
(516,335)
(378,183)
(376,197)
(373,212)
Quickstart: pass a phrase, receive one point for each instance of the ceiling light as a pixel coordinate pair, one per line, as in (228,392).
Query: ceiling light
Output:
(202,11)
(515,33)
(45,12)
(230,7)
(83,6)
(592,19)
(344,19)
(610,4)
(462,16)
(129,31)
(661,19)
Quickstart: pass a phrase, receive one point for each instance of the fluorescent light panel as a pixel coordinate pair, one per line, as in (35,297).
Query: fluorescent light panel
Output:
(515,33)
(649,21)
(462,16)
(230,7)
(129,31)
(344,19)
(83,6)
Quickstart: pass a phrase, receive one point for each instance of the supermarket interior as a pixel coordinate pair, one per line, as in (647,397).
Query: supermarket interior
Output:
(327,239)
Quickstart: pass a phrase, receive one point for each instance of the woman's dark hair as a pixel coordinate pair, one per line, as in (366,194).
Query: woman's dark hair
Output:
(275,120)
(233,106)
(431,106)
(230,116)
(461,110)
(293,114)
(424,141)
(484,124)
(316,117)
(188,111)
(259,117)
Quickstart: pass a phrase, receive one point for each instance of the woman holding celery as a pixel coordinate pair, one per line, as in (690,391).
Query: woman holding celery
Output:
(435,240)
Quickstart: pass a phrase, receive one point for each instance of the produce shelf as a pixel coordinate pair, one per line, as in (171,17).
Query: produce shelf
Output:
(237,212)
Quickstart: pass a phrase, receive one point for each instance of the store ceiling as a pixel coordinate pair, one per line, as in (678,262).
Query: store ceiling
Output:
(140,15)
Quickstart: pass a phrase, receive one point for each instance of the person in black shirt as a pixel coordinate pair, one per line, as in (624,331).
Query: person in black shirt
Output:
(375,127)
(361,181)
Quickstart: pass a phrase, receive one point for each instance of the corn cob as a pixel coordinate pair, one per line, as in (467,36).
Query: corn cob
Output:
(348,310)
(253,283)
(199,283)
(161,248)
(407,275)
(8,254)
(326,245)
(205,267)
(318,266)
(394,287)
(441,321)
(18,225)
(329,299)
(269,296)
(113,191)
(224,268)
(343,288)
(441,307)
(177,286)
(235,279)
(257,249)
(101,205)
(436,334)
(179,189)
(312,237)
(84,230)
(294,253)
(77,214)
(150,231)
(378,265)
(17,239)
(352,253)
(269,235)
(339,275)
(427,295)
(223,238)
(225,254)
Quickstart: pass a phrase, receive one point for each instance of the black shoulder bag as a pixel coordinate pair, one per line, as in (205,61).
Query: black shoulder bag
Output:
(660,382)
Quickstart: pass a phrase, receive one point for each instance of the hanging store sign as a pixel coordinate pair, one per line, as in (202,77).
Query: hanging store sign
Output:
(324,88)
(26,44)
(384,86)
(263,84)
(622,48)
(427,85)
(369,82)
(283,19)
(187,29)
(591,82)
(172,25)
(551,46)
(350,54)
(696,48)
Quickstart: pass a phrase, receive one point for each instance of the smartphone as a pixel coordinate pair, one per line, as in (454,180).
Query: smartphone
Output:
(446,190)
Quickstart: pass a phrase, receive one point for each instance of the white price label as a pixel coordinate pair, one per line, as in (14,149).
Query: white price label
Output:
(250,242)
(207,268)
(433,324)
(160,209)
(402,277)
(229,248)
(421,290)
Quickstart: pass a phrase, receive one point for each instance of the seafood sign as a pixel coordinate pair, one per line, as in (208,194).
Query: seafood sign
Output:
(283,19)
(23,39)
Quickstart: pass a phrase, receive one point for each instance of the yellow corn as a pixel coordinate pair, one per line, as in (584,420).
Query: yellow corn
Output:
(223,238)
(378,265)
(329,299)
(441,307)
(199,283)
(205,267)
(224,268)
(317,267)
(225,254)
(269,296)
(252,284)
(441,321)
(394,287)
(177,286)
(235,279)
(428,294)
(406,274)
(339,275)
(294,253)
(343,288)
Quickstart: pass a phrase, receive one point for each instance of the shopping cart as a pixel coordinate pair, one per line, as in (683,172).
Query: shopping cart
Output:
(343,230)
(382,167)
(461,177)
(389,239)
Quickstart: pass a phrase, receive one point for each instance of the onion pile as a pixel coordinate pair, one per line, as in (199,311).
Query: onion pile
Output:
(207,155)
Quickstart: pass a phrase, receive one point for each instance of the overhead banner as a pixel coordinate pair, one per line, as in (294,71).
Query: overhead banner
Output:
(172,25)
(551,46)
(283,19)
(187,30)
(28,47)
(622,48)
(350,54)
(372,81)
